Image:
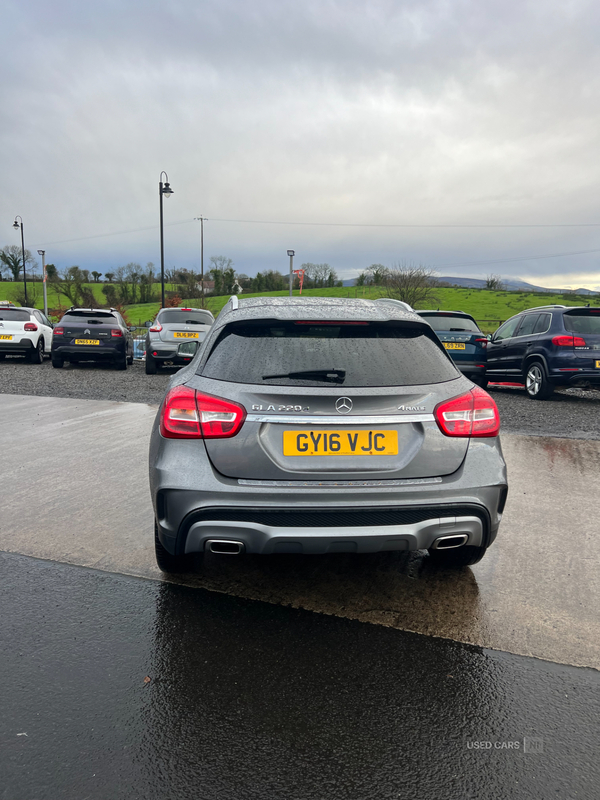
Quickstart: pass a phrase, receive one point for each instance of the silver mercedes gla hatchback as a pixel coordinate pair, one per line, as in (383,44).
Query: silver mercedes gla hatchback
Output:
(324,425)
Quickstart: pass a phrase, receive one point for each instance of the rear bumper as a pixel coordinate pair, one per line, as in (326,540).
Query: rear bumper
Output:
(165,351)
(470,367)
(17,348)
(189,497)
(265,539)
(89,352)
(591,377)
(174,358)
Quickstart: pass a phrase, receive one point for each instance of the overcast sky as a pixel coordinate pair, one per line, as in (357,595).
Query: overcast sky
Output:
(383,113)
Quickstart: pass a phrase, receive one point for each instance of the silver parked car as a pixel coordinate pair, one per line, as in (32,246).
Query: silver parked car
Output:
(324,425)
(174,336)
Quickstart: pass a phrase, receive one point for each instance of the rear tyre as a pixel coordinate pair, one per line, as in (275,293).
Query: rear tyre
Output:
(150,365)
(57,363)
(121,363)
(36,356)
(537,385)
(457,557)
(168,563)
(130,360)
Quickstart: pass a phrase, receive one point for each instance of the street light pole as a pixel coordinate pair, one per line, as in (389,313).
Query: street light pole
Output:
(291,254)
(163,189)
(201,255)
(18,225)
(42,253)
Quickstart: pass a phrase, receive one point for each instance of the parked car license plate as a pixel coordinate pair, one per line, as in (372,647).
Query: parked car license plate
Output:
(4,336)
(340,443)
(597,364)
(454,346)
(178,335)
(87,341)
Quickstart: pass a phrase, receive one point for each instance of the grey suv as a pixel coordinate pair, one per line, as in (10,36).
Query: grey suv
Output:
(324,425)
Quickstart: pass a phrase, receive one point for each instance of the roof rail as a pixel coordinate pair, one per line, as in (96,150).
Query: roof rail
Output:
(535,308)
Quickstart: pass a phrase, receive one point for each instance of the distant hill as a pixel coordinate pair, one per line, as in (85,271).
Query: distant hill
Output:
(511,285)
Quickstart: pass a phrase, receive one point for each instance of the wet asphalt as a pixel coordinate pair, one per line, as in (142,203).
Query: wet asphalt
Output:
(116,686)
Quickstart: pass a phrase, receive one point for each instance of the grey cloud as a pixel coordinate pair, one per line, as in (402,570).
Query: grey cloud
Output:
(417,111)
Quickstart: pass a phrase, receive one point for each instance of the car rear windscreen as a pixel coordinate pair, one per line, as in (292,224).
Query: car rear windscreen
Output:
(178,317)
(441,322)
(269,352)
(90,317)
(583,321)
(14,315)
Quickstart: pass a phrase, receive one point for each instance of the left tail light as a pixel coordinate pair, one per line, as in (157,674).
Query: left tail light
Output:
(156,328)
(471,414)
(482,342)
(58,331)
(188,414)
(30,326)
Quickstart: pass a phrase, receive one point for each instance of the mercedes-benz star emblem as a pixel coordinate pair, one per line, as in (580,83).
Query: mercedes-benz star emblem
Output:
(343,405)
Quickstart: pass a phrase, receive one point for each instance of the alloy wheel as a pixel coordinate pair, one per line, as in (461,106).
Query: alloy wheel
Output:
(534,380)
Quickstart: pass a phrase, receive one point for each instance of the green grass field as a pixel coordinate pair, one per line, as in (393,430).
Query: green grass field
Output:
(489,308)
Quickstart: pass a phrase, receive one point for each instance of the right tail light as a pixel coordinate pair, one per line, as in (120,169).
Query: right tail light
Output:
(568,341)
(472,414)
(188,414)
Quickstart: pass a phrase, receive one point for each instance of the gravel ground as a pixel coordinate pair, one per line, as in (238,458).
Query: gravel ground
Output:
(572,413)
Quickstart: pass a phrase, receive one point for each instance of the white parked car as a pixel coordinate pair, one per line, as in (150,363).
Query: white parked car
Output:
(24,332)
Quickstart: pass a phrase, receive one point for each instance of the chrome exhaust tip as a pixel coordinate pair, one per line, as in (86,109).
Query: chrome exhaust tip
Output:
(225,547)
(450,542)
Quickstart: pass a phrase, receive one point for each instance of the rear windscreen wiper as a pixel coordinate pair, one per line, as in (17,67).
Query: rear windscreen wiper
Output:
(466,330)
(333,375)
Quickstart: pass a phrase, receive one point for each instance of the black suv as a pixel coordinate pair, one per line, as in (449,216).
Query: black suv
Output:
(546,347)
(92,334)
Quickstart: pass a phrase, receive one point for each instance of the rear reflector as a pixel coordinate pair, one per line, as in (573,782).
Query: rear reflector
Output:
(471,414)
(187,414)
(30,326)
(568,341)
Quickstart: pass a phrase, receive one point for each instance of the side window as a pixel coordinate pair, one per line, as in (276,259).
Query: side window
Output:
(527,326)
(507,330)
(543,323)
(39,317)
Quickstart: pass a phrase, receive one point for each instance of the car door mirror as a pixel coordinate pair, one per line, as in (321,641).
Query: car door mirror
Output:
(147,324)
(131,328)
(490,337)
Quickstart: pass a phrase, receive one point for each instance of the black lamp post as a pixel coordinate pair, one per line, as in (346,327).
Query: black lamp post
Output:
(18,225)
(163,189)
(291,254)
